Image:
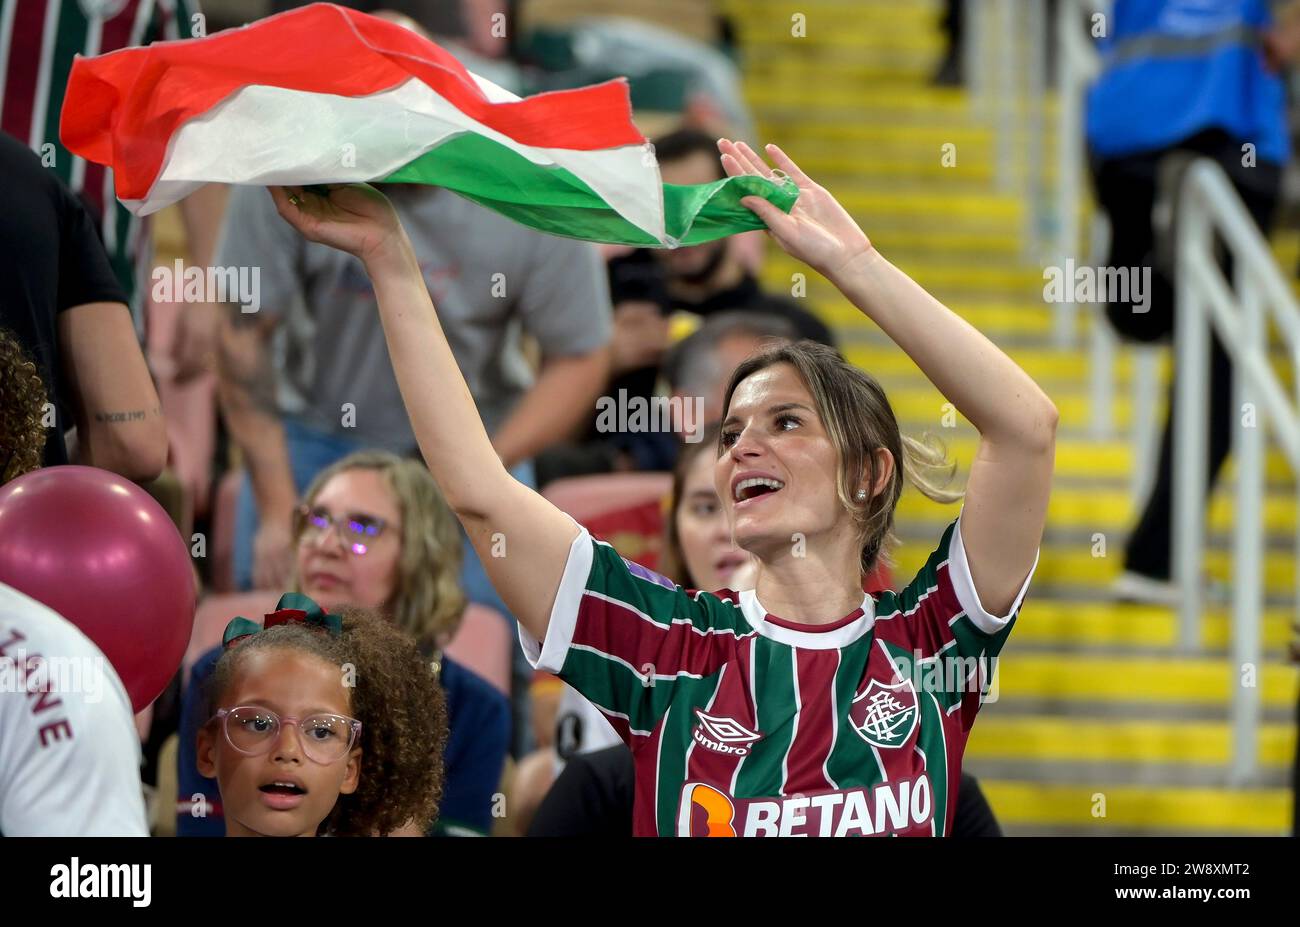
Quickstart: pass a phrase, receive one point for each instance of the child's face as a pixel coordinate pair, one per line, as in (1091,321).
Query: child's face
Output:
(292,684)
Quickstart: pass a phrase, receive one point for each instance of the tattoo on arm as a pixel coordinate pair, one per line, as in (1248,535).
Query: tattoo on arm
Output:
(119,418)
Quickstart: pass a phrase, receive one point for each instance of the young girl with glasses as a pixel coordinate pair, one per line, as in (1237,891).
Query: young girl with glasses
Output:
(323,725)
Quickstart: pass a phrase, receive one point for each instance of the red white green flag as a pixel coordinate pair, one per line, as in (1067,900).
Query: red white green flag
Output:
(324,94)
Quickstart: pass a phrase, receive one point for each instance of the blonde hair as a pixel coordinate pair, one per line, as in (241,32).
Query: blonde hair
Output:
(859,420)
(428,601)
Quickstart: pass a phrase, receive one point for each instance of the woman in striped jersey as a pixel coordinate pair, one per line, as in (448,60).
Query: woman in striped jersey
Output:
(802,706)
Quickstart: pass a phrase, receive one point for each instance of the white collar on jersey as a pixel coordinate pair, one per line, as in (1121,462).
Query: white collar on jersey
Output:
(757,616)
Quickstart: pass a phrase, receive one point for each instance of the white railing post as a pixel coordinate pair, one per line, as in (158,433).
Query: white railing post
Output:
(1033,40)
(1101,377)
(975,56)
(1069,162)
(1247,535)
(1191,347)
(1144,427)
(1007,98)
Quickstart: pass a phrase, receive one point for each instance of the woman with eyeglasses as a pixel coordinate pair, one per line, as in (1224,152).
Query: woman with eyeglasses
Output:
(373,531)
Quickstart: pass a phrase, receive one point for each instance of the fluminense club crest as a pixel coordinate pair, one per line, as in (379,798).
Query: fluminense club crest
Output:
(885,715)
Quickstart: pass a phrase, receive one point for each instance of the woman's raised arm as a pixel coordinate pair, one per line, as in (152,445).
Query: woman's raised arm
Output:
(1005,507)
(521,538)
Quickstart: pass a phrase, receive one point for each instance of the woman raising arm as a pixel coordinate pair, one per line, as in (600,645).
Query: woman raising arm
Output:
(1005,505)
(500,514)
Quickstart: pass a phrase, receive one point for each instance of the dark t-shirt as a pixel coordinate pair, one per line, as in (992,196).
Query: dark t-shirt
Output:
(747,296)
(51,259)
(593,797)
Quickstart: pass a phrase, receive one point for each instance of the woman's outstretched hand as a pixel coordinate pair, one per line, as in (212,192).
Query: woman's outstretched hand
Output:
(817,230)
(354,217)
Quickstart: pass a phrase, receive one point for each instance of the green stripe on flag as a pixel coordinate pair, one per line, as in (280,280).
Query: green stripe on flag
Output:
(554,200)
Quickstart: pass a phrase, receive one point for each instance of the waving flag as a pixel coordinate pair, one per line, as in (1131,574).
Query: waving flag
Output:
(324,94)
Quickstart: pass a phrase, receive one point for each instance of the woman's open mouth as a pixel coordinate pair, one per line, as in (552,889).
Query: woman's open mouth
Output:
(755,488)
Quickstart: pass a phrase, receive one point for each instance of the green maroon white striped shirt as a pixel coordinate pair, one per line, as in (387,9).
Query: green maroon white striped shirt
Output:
(38,41)
(744,724)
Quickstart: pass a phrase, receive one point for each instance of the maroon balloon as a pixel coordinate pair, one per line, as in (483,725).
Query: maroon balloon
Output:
(102,553)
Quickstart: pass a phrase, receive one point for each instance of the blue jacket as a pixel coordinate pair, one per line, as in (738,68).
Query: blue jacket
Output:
(1173,68)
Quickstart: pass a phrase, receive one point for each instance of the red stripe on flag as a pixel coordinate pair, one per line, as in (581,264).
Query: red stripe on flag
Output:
(24,65)
(122,109)
(116,34)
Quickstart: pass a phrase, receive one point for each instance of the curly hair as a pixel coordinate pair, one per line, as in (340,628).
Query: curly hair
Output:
(22,406)
(401,707)
(429,602)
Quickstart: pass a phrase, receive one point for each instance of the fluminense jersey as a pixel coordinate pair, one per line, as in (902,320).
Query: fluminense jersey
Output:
(745,724)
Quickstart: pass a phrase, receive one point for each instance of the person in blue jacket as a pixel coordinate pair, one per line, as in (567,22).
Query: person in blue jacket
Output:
(1196,76)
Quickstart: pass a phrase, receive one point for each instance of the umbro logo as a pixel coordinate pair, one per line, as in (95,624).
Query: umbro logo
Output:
(723,735)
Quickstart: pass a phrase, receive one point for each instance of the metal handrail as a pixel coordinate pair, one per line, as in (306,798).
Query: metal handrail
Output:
(1238,311)
(1077,64)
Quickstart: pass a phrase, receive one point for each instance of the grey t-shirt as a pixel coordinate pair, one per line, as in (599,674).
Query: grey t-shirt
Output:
(490,280)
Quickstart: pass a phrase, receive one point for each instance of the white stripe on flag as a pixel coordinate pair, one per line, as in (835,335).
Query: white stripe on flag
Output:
(269,135)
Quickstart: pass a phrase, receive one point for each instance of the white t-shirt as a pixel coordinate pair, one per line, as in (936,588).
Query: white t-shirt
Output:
(69,751)
(580,728)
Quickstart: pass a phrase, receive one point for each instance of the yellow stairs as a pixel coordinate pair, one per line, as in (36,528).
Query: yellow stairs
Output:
(1100,726)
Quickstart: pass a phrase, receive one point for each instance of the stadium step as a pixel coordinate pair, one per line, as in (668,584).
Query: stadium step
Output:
(1102,724)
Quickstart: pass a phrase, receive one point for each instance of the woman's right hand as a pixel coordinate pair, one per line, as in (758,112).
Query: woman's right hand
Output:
(354,217)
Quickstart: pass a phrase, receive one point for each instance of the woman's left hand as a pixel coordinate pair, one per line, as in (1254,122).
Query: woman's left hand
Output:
(817,230)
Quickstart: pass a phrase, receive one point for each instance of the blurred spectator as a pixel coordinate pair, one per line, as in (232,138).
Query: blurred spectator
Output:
(54,785)
(711,277)
(701,363)
(68,312)
(37,46)
(480,25)
(695,372)
(374,531)
(639,293)
(1179,78)
(331,389)
(949,72)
